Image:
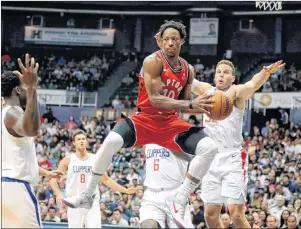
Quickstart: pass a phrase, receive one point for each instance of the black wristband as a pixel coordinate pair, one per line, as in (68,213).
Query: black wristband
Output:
(190,105)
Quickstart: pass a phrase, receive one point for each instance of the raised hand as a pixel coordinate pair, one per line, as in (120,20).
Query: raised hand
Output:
(158,39)
(274,67)
(29,73)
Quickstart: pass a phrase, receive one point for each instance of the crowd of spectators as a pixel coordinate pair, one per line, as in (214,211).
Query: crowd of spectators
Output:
(61,73)
(287,79)
(274,173)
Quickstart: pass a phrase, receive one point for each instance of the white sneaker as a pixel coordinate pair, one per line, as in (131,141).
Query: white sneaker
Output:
(83,200)
(177,210)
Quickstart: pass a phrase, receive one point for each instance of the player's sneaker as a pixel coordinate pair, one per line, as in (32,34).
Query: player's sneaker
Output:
(177,210)
(83,200)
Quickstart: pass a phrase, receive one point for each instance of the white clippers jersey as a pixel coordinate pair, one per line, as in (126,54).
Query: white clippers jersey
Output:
(228,132)
(19,159)
(163,168)
(78,175)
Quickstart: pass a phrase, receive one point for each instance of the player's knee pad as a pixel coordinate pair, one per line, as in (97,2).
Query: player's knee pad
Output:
(206,148)
(126,130)
(113,138)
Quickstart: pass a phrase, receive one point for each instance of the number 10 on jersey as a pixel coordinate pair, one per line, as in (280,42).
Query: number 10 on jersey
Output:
(156,164)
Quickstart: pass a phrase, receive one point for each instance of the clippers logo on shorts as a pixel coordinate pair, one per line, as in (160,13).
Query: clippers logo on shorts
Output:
(81,169)
(157,153)
(36,34)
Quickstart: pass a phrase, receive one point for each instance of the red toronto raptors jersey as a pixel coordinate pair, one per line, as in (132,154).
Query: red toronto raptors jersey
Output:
(173,83)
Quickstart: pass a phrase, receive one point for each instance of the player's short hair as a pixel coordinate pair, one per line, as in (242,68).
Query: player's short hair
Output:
(229,63)
(175,25)
(8,82)
(78,132)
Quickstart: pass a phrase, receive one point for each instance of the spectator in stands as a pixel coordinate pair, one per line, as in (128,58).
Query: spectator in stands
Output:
(292,222)
(71,123)
(116,102)
(127,81)
(51,216)
(226,221)
(197,213)
(272,222)
(283,220)
(118,220)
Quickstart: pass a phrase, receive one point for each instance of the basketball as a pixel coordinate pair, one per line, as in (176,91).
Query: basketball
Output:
(222,106)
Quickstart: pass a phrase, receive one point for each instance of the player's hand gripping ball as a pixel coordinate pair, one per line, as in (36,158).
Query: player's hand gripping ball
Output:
(222,106)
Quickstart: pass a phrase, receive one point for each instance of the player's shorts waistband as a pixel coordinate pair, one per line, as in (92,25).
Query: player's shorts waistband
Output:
(232,149)
(160,189)
(151,112)
(8,179)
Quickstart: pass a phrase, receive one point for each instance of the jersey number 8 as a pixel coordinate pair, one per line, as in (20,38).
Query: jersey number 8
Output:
(82,178)
(156,164)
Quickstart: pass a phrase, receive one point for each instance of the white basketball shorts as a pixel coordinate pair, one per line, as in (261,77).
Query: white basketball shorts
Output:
(20,208)
(81,217)
(227,178)
(153,207)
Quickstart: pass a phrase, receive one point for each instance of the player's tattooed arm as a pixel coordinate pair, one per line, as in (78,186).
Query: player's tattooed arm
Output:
(152,67)
(203,101)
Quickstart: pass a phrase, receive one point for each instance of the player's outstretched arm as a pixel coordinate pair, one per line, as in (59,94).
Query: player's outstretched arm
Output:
(109,182)
(26,123)
(246,91)
(63,167)
(50,174)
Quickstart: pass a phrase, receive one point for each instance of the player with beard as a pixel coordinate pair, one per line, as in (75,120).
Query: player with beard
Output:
(20,171)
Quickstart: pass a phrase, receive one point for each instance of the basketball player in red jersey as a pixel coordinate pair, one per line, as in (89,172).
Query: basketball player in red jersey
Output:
(164,87)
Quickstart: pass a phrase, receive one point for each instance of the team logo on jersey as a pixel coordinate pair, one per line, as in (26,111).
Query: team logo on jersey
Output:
(162,152)
(81,169)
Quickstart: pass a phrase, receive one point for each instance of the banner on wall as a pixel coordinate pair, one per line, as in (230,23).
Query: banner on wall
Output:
(203,31)
(274,100)
(69,36)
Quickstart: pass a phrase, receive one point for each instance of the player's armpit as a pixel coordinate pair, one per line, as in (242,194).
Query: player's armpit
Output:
(152,67)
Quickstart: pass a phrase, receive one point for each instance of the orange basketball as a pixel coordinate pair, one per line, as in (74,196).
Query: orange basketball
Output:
(222,106)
